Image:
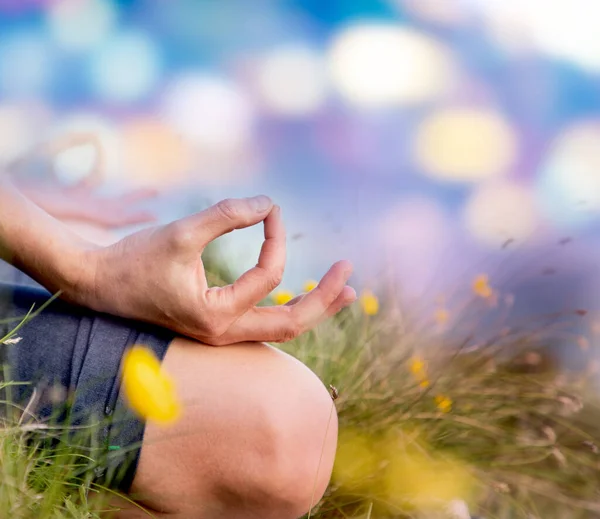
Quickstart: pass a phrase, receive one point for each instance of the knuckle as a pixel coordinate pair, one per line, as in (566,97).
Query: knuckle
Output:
(227,209)
(291,331)
(181,236)
(276,277)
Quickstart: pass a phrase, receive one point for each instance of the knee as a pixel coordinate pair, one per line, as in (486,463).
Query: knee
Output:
(258,434)
(300,438)
(289,426)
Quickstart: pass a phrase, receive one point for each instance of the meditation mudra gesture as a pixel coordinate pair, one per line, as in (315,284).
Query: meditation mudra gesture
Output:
(255,435)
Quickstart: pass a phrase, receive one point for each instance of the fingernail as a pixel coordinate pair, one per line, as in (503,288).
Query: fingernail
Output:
(351,295)
(347,267)
(261,203)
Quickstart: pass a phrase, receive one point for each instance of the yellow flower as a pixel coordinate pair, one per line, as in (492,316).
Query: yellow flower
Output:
(149,391)
(355,461)
(417,366)
(311,284)
(282,297)
(415,478)
(369,303)
(442,316)
(481,286)
(443,403)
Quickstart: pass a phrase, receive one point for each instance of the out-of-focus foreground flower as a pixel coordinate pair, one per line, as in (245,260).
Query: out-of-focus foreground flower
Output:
(405,471)
(369,303)
(149,391)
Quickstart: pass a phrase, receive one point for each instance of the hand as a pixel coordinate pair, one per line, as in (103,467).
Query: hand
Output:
(157,275)
(81,204)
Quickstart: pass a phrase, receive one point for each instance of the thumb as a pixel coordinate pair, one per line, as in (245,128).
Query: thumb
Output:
(230,214)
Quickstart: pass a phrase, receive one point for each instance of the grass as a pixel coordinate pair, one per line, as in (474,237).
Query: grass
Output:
(429,417)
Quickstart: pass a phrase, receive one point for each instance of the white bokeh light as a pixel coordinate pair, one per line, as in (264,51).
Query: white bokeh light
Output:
(80,26)
(500,211)
(292,81)
(569,181)
(21,128)
(90,146)
(378,65)
(565,29)
(126,68)
(465,144)
(209,111)
(14,133)
(26,65)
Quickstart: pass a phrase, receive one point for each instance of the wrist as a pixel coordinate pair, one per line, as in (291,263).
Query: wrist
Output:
(76,270)
(43,247)
(66,264)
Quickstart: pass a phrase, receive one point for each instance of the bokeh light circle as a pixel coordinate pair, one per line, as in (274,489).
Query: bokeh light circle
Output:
(22,126)
(564,29)
(209,111)
(90,146)
(465,144)
(499,211)
(26,65)
(126,68)
(292,81)
(153,153)
(382,64)
(77,25)
(569,181)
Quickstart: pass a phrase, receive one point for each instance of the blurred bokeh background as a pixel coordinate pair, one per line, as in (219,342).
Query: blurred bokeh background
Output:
(425,140)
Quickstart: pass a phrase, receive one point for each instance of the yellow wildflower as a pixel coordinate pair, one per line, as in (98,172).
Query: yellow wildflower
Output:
(443,403)
(481,286)
(442,316)
(149,391)
(369,303)
(415,477)
(356,459)
(417,366)
(282,297)
(310,285)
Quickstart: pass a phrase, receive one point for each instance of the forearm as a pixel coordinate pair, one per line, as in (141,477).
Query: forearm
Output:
(38,244)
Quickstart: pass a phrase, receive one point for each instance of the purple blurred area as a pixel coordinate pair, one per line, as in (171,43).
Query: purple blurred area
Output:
(426,140)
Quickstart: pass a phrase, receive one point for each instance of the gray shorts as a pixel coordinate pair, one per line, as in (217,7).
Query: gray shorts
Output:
(72,357)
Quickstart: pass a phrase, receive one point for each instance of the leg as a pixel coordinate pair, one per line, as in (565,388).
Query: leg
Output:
(248,444)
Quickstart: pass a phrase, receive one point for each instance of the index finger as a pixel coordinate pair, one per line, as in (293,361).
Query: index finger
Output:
(258,282)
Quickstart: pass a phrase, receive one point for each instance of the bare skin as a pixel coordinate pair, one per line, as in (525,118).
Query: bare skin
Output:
(258,442)
(157,274)
(258,433)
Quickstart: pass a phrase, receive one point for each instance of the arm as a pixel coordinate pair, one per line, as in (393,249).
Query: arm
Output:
(38,244)
(157,275)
